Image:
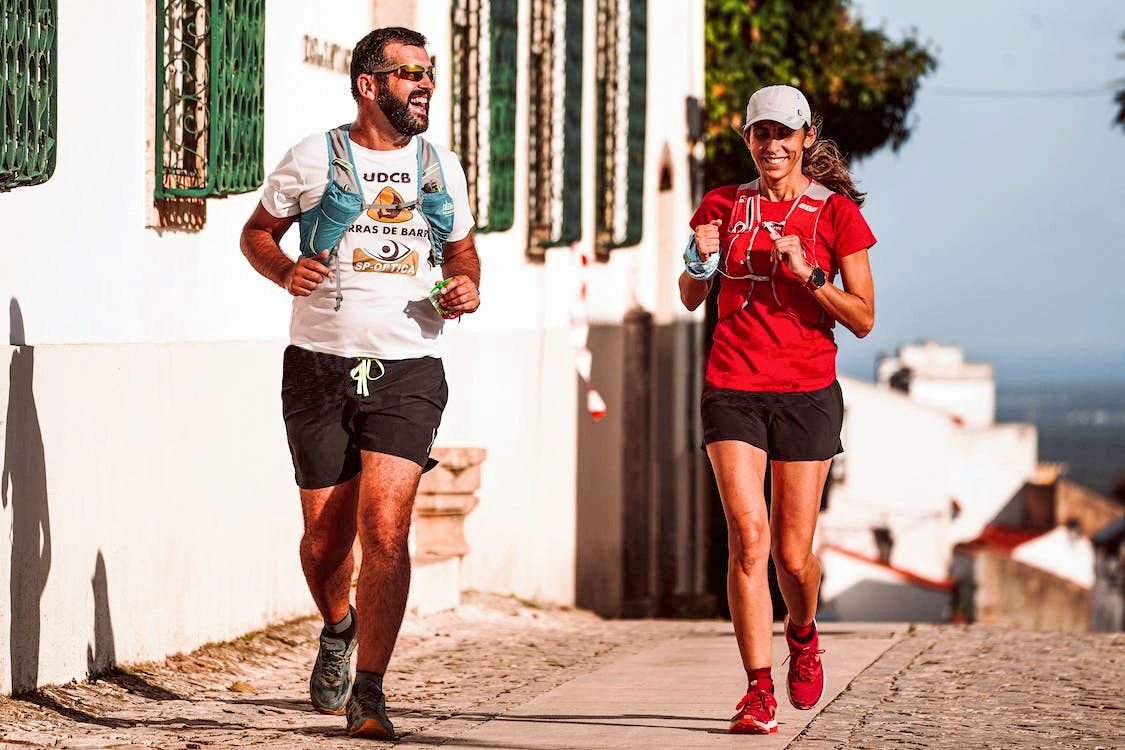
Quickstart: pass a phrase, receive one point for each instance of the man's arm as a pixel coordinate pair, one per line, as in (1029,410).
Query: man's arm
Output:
(259,242)
(462,268)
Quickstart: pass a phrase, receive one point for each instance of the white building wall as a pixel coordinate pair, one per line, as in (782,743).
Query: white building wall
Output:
(858,591)
(896,470)
(940,377)
(972,400)
(990,467)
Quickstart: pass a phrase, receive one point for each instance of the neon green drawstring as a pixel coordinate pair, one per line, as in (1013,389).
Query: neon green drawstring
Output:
(362,373)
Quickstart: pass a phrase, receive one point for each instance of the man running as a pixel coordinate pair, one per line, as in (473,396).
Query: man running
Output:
(363,387)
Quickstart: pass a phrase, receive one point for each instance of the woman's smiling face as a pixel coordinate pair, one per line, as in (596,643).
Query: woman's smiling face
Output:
(777,149)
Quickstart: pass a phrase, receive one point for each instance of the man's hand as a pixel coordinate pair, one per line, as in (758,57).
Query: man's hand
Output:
(707,238)
(306,275)
(459,296)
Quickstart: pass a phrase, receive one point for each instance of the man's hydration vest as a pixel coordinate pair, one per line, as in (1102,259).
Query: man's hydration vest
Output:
(744,268)
(323,226)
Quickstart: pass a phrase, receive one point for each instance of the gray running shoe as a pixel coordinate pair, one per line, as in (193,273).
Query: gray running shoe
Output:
(367,713)
(331,681)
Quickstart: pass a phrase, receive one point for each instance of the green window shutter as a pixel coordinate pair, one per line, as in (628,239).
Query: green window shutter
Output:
(484,106)
(555,173)
(28,91)
(237,96)
(622,80)
(209,85)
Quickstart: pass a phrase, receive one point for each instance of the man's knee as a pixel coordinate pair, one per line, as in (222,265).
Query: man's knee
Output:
(325,550)
(385,538)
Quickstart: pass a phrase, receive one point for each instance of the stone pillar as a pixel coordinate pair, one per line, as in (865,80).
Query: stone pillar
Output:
(446,495)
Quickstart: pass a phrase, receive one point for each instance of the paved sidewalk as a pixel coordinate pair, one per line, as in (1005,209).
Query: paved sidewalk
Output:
(500,674)
(679,694)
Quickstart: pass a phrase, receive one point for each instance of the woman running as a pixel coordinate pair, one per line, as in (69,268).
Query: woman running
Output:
(775,245)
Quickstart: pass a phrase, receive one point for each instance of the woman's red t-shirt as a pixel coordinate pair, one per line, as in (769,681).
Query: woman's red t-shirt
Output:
(762,347)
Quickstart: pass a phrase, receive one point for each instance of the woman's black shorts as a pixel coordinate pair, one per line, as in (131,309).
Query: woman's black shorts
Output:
(328,422)
(787,426)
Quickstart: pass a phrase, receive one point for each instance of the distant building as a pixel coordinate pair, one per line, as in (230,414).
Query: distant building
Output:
(913,481)
(937,512)
(938,375)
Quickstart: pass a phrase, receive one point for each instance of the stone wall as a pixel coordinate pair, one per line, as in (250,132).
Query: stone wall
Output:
(1013,594)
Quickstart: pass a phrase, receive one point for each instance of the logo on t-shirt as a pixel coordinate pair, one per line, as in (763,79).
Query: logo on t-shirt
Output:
(391,257)
(399,177)
(388,196)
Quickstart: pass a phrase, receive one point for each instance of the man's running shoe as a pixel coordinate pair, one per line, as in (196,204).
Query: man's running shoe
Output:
(367,713)
(331,681)
(806,672)
(756,714)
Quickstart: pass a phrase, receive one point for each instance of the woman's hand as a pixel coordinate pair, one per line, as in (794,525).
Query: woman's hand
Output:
(788,249)
(707,238)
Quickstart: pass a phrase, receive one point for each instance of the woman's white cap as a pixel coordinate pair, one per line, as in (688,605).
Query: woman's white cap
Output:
(783,104)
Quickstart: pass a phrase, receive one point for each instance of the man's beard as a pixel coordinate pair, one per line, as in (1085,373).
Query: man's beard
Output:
(399,115)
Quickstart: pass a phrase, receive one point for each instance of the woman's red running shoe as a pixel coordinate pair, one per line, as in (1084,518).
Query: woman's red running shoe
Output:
(756,714)
(806,672)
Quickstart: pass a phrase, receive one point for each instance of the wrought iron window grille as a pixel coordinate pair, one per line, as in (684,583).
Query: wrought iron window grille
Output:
(209,94)
(28,92)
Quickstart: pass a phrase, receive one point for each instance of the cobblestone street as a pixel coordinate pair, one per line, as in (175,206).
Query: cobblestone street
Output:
(498,673)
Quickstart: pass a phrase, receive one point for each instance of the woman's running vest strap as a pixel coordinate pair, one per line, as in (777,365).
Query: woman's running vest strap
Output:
(743,225)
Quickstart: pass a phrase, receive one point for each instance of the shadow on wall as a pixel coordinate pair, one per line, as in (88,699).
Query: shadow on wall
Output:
(102,655)
(23,484)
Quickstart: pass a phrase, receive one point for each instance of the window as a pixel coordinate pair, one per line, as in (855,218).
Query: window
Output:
(28,91)
(484,106)
(209,97)
(555,170)
(622,76)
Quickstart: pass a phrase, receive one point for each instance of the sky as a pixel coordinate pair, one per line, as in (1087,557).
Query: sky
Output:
(1001,221)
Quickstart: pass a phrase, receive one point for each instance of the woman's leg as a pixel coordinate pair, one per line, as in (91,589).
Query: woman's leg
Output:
(740,472)
(796,492)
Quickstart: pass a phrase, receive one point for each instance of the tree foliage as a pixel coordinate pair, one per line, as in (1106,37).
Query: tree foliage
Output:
(861,82)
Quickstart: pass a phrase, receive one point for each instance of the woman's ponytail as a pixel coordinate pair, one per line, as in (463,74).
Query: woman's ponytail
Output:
(824,163)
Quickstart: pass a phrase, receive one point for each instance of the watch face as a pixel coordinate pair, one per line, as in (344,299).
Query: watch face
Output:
(817,279)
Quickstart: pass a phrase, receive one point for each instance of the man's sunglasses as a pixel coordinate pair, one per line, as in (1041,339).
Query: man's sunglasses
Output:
(410,72)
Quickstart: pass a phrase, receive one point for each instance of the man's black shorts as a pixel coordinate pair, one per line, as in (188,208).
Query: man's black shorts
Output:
(328,422)
(787,426)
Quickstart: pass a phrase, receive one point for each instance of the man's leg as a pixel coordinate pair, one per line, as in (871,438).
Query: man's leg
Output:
(386,498)
(326,557)
(326,546)
(387,485)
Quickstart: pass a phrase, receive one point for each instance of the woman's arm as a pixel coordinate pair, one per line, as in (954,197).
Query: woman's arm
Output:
(693,291)
(855,307)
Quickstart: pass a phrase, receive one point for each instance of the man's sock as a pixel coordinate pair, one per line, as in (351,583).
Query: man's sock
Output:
(801,633)
(365,679)
(760,679)
(345,628)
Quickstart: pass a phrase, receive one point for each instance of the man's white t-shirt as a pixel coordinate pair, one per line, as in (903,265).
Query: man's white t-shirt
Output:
(385,271)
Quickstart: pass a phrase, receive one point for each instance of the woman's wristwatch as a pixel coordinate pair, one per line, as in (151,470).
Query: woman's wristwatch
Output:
(817,279)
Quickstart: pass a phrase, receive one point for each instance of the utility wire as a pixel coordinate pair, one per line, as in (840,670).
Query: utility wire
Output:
(1109,88)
